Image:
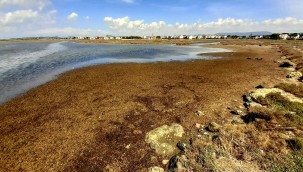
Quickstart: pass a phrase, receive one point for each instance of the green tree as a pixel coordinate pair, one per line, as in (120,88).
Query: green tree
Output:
(275,36)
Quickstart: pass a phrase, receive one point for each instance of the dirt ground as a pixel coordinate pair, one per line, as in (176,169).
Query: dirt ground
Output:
(94,118)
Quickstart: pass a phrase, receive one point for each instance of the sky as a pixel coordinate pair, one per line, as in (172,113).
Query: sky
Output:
(26,18)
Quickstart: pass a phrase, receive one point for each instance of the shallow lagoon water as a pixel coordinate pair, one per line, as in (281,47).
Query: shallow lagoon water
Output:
(26,65)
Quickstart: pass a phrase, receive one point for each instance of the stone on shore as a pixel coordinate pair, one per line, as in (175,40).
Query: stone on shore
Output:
(164,139)
(294,74)
(199,113)
(254,95)
(155,169)
(178,163)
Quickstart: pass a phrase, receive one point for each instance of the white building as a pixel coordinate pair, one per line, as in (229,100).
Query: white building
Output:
(192,37)
(284,36)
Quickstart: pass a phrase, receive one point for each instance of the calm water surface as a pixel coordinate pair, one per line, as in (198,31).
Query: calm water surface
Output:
(26,65)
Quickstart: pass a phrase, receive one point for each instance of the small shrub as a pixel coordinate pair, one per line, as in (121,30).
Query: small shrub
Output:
(292,88)
(206,159)
(279,102)
(295,144)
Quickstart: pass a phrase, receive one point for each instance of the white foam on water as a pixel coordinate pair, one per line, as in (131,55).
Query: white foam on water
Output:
(27,58)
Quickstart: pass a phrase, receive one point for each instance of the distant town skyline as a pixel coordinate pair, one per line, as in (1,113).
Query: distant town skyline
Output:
(26,18)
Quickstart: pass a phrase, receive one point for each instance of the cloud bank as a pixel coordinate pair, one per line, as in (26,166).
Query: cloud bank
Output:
(127,26)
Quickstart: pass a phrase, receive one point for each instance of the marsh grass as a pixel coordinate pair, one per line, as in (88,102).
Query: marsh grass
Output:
(291,163)
(295,89)
(277,101)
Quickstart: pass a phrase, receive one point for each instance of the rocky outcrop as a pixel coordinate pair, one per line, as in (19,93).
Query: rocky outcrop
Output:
(254,95)
(164,139)
(294,74)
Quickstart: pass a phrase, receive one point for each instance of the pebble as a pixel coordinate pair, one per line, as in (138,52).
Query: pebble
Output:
(165,161)
(155,169)
(198,126)
(127,146)
(199,113)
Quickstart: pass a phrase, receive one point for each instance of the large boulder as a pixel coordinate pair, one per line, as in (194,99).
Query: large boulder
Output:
(164,139)
(254,95)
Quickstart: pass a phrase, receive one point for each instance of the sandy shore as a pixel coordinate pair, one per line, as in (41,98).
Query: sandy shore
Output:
(97,116)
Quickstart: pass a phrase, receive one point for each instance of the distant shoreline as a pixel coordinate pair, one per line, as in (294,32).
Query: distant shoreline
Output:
(134,41)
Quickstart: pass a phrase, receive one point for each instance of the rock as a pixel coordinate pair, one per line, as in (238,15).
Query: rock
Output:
(237,112)
(165,161)
(253,105)
(295,74)
(247,98)
(128,146)
(254,95)
(198,126)
(178,163)
(181,146)
(155,169)
(199,113)
(163,139)
(213,127)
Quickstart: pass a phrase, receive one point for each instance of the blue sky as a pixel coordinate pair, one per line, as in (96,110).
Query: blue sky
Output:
(19,18)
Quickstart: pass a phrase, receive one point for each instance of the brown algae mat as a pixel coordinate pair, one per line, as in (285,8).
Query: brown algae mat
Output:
(95,117)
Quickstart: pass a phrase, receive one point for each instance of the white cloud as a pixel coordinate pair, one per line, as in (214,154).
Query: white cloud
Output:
(284,21)
(72,17)
(19,23)
(17,17)
(36,4)
(87,18)
(117,23)
(135,24)
(126,26)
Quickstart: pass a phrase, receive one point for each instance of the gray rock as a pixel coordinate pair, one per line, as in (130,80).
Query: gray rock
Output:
(181,146)
(155,169)
(199,113)
(178,163)
(264,91)
(164,139)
